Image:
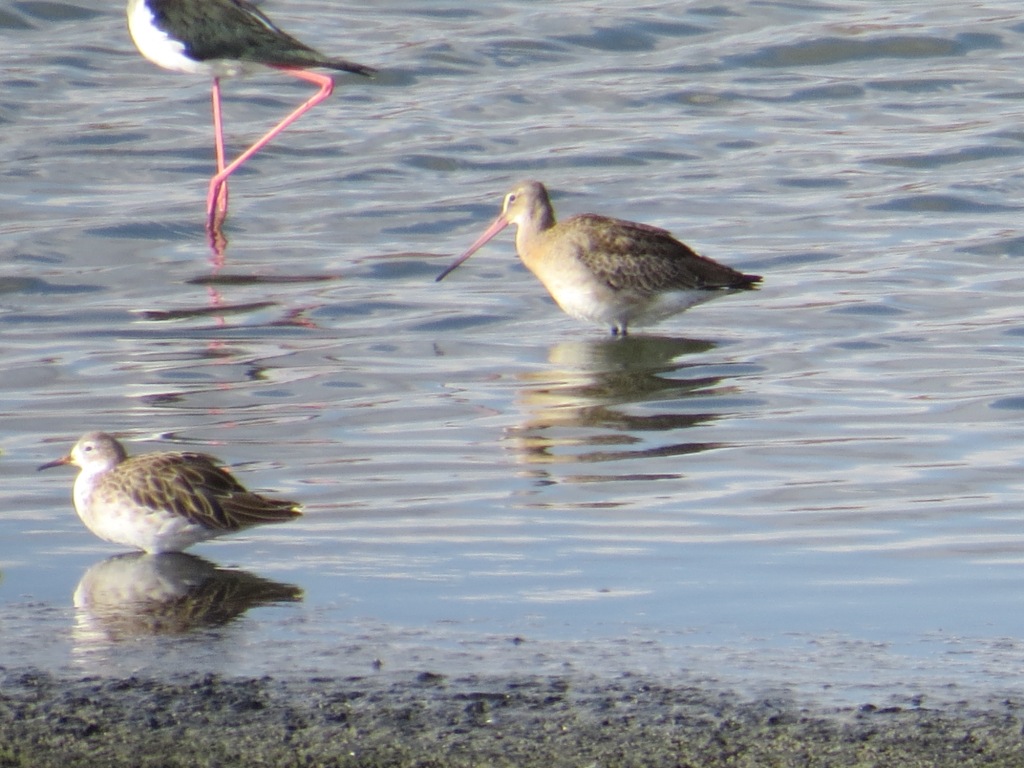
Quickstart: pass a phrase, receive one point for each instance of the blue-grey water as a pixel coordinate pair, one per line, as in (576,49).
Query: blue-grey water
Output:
(816,485)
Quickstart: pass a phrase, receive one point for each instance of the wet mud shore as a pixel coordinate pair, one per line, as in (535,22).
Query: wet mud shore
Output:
(432,720)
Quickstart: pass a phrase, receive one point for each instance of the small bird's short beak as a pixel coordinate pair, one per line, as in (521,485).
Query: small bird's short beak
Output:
(55,463)
(499,224)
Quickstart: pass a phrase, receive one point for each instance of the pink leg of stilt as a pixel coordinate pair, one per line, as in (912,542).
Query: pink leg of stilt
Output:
(219,181)
(218,134)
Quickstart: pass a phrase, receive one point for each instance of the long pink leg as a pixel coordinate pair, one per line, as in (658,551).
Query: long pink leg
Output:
(218,131)
(218,182)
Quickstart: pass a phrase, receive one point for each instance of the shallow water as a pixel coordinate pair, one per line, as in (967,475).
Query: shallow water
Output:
(816,484)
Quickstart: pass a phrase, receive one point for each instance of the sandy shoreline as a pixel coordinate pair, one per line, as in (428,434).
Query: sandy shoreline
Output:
(431,720)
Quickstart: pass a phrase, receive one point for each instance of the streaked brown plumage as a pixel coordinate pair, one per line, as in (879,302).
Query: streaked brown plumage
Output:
(162,502)
(607,270)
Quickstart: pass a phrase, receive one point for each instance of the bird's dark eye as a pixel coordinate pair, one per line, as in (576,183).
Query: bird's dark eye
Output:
(509,199)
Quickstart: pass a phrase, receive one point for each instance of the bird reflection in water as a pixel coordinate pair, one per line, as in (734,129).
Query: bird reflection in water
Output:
(219,309)
(136,595)
(587,406)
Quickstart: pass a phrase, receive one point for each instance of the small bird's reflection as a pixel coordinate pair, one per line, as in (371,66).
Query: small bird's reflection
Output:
(136,595)
(218,309)
(584,400)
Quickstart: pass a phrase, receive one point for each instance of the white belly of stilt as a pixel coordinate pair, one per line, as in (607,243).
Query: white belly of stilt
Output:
(165,51)
(156,45)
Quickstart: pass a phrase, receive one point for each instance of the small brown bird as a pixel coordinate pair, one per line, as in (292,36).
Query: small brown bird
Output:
(162,502)
(618,273)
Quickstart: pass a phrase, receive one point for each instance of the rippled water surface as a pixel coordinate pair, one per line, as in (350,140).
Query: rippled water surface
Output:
(818,483)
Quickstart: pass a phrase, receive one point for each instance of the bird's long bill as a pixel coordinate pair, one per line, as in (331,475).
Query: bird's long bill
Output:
(499,224)
(55,463)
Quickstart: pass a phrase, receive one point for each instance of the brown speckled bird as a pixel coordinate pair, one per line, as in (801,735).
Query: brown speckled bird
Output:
(618,273)
(162,502)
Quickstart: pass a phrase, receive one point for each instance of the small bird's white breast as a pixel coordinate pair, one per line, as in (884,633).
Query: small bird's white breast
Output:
(166,51)
(117,518)
(156,45)
(618,309)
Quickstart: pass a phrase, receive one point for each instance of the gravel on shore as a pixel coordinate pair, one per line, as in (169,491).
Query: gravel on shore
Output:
(431,720)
